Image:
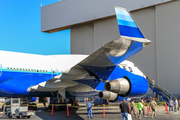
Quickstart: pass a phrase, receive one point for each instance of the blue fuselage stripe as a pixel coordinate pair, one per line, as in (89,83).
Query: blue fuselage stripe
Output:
(17,83)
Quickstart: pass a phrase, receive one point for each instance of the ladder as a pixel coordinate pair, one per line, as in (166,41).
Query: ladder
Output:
(160,90)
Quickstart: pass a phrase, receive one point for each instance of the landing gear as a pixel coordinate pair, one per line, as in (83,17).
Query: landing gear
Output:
(58,99)
(73,102)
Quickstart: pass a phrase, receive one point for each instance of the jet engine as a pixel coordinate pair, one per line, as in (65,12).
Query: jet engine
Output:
(108,95)
(120,86)
(131,86)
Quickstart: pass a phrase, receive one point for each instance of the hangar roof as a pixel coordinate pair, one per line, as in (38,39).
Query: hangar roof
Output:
(67,13)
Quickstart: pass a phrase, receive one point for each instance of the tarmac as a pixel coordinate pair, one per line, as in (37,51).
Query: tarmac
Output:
(111,112)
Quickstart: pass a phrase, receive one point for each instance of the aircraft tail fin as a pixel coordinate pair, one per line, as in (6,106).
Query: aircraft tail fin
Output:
(127,25)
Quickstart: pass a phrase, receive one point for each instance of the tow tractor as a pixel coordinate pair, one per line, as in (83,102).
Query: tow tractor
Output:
(17,107)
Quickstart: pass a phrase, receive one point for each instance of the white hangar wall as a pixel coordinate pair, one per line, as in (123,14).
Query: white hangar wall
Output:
(159,20)
(160,23)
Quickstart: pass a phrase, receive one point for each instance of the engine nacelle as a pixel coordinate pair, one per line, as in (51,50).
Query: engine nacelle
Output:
(120,86)
(131,86)
(108,95)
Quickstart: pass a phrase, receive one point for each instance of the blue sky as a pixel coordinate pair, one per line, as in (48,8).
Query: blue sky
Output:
(20,29)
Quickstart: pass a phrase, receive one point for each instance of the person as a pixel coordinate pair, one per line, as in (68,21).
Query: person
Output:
(133,108)
(178,102)
(153,105)
(176,106)
(139,106)
(89,108)
(143,109)
(124,109)
(170,104)
(153,83)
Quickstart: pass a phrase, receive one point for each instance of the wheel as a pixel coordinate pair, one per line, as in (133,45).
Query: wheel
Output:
(21,116)
(28,116)
(9,115)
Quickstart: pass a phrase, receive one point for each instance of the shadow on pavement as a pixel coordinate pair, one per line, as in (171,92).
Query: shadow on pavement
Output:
(62,114)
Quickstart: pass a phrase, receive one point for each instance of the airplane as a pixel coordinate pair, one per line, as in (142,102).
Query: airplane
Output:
(106,72)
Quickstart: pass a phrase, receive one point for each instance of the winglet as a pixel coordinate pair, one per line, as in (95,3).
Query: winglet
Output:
(127,25)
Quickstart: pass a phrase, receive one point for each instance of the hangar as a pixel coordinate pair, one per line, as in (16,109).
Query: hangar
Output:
(93,24)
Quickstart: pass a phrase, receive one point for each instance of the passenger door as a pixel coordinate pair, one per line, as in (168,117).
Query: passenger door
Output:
(54,72)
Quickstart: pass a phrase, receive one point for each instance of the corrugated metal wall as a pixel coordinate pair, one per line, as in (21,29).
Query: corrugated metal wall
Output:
(160,24)
(168,45)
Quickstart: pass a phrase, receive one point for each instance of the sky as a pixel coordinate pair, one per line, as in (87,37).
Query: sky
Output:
(20,29)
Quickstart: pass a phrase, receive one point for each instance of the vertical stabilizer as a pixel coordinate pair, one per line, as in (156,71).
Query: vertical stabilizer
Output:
(127,25)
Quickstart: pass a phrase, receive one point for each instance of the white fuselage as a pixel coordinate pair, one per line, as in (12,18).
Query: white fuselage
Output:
(38,62)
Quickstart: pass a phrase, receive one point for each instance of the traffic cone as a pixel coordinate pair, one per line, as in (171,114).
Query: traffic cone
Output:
(52,110)
(129,109)
(165,106)
(67,110)
(147,110)
(103,110)
(166,109)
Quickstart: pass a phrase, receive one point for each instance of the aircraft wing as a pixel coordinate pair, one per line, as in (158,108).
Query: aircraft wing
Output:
(101,63)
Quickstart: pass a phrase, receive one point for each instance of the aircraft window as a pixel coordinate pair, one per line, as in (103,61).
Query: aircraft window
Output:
(31,70)
(14,69)
(43,71)
(34,70)
(17,69)
(11,69)
(7,68)
(28,70)
(130,69)
(53,72)
(20,69)
(124,67)
(40,70)
(37,70)
(46,71)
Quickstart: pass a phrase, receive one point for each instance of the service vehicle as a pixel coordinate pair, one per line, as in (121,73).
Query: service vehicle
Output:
(17,108)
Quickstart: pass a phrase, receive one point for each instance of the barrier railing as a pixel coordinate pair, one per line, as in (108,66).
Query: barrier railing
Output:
(160,90)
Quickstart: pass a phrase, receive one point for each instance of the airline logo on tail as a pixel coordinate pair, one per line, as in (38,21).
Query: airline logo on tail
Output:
(127,26)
